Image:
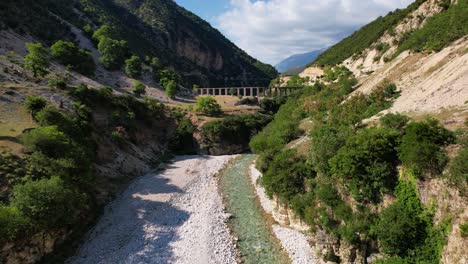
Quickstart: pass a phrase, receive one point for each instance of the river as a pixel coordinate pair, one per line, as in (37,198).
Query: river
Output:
(177,216)
(250,224)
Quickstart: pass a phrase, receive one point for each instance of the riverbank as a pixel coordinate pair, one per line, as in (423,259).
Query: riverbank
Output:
(294,242)
(256,241)
(174,216)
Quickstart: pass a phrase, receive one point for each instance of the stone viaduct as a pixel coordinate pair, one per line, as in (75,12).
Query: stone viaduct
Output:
(247,91)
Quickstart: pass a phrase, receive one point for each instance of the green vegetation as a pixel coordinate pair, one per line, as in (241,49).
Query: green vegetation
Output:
(458,170)
(49,203)
(146,27)
(395,121)
(357,42)
(464,230)
(68,54)
(366,163)
(335,181)
(420,147)
(207,106)
(440,30)
(113,52)
(296,81)
(133,67)
(406,230)
(139,88)
(171,89)
(37,59)
(235,130)
(35,103)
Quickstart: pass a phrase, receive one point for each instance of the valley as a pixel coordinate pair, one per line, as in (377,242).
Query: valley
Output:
(135,132)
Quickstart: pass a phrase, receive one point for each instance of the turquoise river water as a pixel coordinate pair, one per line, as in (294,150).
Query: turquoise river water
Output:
(256,242)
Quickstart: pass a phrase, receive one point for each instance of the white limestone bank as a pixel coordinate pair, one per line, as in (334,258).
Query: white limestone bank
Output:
(293,241)
(175,216)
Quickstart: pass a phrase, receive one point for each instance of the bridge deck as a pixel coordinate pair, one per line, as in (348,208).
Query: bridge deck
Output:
(248,91)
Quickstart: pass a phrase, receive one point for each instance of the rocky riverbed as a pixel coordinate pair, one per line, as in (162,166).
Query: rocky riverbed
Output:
(175,216)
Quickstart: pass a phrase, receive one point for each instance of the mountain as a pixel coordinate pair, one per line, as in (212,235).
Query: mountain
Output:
(346,157)
(297,61)
(180,39)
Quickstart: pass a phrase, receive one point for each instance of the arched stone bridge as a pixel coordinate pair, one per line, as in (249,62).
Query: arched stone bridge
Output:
(247,91)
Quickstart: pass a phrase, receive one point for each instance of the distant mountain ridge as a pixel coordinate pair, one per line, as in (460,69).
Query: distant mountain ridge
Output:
(297,61)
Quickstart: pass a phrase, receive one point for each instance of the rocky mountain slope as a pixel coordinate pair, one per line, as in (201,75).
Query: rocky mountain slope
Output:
(329,161)
(180,39)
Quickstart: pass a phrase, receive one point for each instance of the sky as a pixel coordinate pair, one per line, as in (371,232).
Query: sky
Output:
(272,30)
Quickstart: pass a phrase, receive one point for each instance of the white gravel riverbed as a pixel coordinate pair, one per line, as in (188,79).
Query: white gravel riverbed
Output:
(175,216)
(293,241)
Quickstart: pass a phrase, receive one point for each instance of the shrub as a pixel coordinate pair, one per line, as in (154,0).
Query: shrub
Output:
(57,82)
(182,139)
(48,140)
(464,230)
(401,227)
(271,106)
(155,64)
(133,67)
(395,121)
(234,129)
(105,31)
(118,135)
(399,230)
(286,175)
(37,59)
(207,106)
(51,116)
(328,194)
(420,149)
(458,173)
(113,52)
(138,88)
(11,223)
(49,203)
(69,54)
(248,101)
(35,103)
(367,163)
(171,89)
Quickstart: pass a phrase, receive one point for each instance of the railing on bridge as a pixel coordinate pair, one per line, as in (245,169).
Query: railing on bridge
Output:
(274,91)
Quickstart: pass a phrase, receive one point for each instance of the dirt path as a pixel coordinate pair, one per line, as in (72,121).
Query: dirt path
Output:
(175,216)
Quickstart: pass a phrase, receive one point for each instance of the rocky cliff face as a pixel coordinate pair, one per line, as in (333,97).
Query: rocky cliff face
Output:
(374,57)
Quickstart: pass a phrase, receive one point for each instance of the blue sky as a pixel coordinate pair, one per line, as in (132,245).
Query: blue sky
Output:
(272,30)
(206,9)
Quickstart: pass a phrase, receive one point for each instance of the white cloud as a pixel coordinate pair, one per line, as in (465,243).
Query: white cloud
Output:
(275,29)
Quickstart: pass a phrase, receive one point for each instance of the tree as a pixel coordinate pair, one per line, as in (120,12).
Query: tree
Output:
(69,54)
(37,59)
(133,66)
(155,64)
(395,121)
(49,203)
(35,103)
(207,106)
(420,148)
(105,31)
(367,163)
(139,88)
(113,52)
(48,140)
(171,89)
